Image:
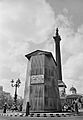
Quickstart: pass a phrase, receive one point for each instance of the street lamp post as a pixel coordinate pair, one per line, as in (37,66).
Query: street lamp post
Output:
(16,84)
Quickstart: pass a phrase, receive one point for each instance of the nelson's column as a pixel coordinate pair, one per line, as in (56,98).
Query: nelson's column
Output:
(61,84)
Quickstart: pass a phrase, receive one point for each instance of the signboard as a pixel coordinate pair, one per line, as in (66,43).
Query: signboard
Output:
(37,79)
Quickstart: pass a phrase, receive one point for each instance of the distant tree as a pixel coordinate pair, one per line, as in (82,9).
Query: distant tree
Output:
(4,99)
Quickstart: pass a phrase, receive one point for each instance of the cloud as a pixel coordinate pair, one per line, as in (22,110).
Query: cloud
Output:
(21,21)
(24,22)
(74,67)
(27,20)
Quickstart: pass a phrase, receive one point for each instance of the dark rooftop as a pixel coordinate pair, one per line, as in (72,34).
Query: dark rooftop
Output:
(39,52)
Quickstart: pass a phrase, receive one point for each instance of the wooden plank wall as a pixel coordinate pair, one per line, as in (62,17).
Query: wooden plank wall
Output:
(36,97)
(37,88)
(44,96)
(37,65)
(52,98)
(27,86)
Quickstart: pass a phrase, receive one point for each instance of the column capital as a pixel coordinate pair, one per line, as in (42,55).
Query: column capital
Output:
(57,38)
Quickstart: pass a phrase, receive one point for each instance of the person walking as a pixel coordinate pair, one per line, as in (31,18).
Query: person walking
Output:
(76,106)
(4,107)
(27,109)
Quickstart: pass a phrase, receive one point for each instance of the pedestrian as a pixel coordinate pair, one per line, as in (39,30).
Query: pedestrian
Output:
(20,107)
(27,109)
(76,106)
(72,107)
(5,108)
(65,107)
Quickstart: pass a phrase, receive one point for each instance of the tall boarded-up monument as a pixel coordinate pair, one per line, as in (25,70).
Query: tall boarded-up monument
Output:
(41,86)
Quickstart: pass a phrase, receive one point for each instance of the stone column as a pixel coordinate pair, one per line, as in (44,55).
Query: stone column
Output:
(57,40)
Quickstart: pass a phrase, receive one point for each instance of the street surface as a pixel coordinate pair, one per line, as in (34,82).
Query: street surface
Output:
(79,117)
(42,118)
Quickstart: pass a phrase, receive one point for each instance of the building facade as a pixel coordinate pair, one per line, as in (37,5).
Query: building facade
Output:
(74,96)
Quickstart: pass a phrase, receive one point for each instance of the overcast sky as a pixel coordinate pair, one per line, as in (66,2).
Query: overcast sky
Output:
(27,25)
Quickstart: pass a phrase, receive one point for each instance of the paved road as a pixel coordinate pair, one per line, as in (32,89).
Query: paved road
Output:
(42,118)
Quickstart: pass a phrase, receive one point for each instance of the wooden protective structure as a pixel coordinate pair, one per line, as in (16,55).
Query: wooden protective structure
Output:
(41,86)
